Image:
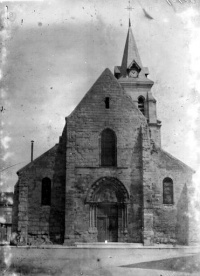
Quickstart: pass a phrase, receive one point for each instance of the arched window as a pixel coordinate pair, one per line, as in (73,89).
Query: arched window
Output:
(168,191)
(46,191)
(108,148)
(141,101)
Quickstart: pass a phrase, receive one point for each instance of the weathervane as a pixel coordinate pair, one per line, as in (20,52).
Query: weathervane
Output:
(129,8)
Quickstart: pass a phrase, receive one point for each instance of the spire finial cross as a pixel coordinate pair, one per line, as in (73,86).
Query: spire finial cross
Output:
(129,9)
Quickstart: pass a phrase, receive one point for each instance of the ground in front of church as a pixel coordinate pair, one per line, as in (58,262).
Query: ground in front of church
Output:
(64,261)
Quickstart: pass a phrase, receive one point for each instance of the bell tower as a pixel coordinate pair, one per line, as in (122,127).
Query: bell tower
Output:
(133,77)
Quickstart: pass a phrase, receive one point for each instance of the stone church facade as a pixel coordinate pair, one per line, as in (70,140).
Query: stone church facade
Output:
(108,179)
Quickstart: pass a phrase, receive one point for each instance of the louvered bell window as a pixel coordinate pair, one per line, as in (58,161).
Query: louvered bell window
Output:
(141,101)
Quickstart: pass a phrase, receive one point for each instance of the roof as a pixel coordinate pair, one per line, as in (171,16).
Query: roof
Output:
(174,161)
(130,60)
(30,164)
(105,80)
(130,53)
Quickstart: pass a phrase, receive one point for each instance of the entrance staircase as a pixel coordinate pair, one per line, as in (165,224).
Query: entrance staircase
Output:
(108,245)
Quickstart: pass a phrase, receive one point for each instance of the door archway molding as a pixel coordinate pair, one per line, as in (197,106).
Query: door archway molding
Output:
(110,191)
(111,182)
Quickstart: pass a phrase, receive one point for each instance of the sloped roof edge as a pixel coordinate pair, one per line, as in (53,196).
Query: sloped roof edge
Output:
(38,158)
(177,160)
(106,71)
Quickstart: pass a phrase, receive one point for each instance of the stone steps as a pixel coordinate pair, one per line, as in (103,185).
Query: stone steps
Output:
(108,245)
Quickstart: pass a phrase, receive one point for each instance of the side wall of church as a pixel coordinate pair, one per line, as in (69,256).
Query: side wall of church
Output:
(171,221)
(39,223)
(15,208)
(84,163)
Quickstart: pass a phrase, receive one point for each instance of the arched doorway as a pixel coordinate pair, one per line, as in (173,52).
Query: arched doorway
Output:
(108,200)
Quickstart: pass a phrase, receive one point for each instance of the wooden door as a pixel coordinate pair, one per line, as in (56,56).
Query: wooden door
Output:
(107,223)
(102,229)
(113,228)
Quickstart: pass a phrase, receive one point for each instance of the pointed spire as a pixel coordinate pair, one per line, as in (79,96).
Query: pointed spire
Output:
(131,53)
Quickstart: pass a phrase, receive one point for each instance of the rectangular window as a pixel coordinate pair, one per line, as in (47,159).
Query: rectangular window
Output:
(46,191)
(107,102)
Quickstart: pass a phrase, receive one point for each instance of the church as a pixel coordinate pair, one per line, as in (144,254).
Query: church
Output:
(107,179)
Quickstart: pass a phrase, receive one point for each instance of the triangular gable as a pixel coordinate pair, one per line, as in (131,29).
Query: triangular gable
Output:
(134,63)
(107,81)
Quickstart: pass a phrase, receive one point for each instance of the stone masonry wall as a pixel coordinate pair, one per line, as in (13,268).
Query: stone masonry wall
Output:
(36,223)
(15,208)
(171,222)
(20,215)
(148,227)
(83,164)
(74,165)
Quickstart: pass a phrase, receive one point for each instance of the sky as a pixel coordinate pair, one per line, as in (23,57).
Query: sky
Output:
(53,51)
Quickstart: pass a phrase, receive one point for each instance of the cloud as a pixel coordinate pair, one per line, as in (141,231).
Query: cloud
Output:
(7,155)
(50,67)
(5,142)
(193,112)
(193,108)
